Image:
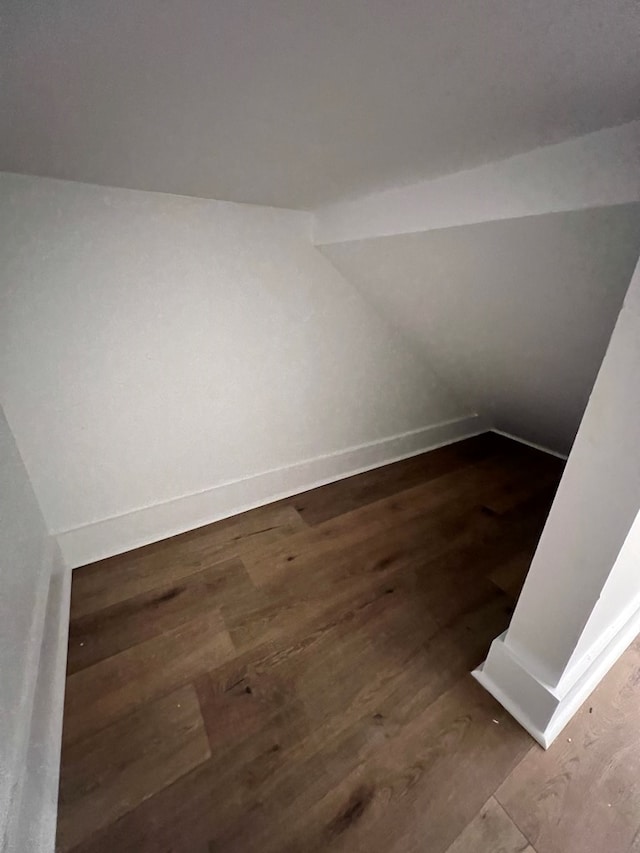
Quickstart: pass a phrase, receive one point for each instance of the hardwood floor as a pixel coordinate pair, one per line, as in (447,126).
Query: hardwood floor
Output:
(296,679)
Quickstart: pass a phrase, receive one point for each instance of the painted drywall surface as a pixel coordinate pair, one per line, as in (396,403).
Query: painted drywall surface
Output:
(595,170)
(297,102)
(585,576)
(27,557)
(155,346)
(619,601)
(24,573)
(514,315)
(83,545)
(33,821)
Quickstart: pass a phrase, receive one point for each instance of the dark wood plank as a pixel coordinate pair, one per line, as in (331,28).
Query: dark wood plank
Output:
(583,794)
(510,575)
(455,579)
(414,791)
(100,635)
(338,498)
(113,580)
(112,688)
(322,589)
(495,479)
(329,658)
(108,774)
(175,820)
(444,554)
(263,776)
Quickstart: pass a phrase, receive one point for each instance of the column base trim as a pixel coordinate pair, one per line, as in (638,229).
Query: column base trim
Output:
(541,709)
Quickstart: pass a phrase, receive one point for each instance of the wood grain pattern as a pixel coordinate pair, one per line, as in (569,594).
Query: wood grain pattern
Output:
(328,639)
(110,773)
(334,499)
(441,500)
(126,575)
(100,694)
(583,794)
(417,789)
(261,783)
(100,635)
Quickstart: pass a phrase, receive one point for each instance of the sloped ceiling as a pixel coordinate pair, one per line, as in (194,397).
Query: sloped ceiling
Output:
(296,103)
(515,315)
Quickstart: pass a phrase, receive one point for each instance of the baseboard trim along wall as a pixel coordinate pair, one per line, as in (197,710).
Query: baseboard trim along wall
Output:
(100,539)
(541,709)
(535,446)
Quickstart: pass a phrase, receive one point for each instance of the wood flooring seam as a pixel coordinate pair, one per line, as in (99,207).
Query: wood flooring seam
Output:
(332,696)
(502,806)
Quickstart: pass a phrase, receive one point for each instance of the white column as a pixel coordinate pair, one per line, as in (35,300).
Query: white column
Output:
(580,606)
(34,628)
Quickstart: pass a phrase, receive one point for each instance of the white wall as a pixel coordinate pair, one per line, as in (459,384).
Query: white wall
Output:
(155,347)
(515,315)
(601,168)
(33,608)
(619,601)
(580,606)
(592,585)
(510,275)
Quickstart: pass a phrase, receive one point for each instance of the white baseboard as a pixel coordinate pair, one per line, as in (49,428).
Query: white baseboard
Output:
(121,533)
(530,444)
(544,710)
